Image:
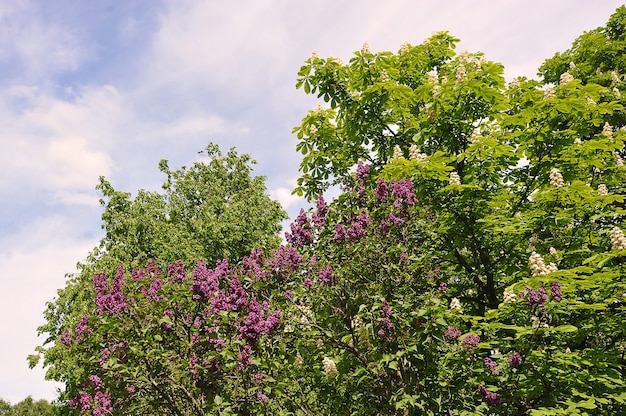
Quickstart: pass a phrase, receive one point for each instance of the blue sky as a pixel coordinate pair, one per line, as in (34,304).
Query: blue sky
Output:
(110,87)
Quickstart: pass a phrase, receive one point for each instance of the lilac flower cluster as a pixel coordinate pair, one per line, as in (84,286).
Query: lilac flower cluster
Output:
(66,338)
(255,325)
(491,398)
(319,217)
(491,366)
(357,229)
(252,265)
(404,192)
(535,297)
(515,360)
(98,404)
(555,291)
(176,272)
(362,173)
(82,329)
(300,231)
(384,324)
(452,334)
(112,302)
(470,341)
(382,190)
(284,261)
(326,275)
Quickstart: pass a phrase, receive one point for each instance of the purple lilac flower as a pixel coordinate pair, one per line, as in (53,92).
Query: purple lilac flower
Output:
(170,314)
(205,282)
(244,357)
(326,275)
(492,399)
(260,376)
(403,191)
(470,341)
(319,217)
(308,283)
(262,397)
(105,353)
(289,294)
(555,291)
(115,301)
(252,265)
(300,231)
(176,272)
(403,257)
(131,389)
(536,297)
(515,360)
(443,286)
(381,190)
(362,171)
(452,334)
(96,381)
(284,260)
(82,329)
(491,366)
(385,325)
(340,232)
(66,338)
(395,220)
(383,227)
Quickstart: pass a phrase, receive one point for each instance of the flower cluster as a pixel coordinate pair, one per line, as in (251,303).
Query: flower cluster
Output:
(555,291)
(112,302)
(455,179)
(607,130)
(556,179)
(535,297)
(300,231)
(384,324)
(470,341)
(509,296)
(548,92)
(566,77)
(515,360)
(618,240)
(330,368)
(491,366)
(461,73)
(452,334)
(538,267)
(416,154)
(455,304)
(397,153)
(384,76)
(491,398)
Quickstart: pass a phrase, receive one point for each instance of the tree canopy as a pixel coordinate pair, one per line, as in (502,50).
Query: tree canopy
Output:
(473,263)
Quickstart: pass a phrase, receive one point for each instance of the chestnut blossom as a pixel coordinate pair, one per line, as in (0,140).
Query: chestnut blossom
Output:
(607,130)
(455,179)
(556,179)
(565,78)
(461,73)
(397,153)
(509,296)
(548,92)
(618,240)
(455,304)
(365,48)
(415,154)
(603,190)
(330,368)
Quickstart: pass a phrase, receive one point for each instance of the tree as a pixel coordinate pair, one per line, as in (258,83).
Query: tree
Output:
(212,210)
(28,407)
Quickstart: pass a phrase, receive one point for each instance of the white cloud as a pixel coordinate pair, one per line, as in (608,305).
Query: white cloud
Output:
(285,197)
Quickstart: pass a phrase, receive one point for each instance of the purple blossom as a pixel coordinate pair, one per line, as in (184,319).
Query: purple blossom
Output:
(96,381)
(443,286)
(289,294)
(536,297)
(340,232)
(260,376)
(403,257)
(82,328)
(262,397)
(452,334)
(308,283)
(112,302)
(319,217)
(284,261)
(66,338)
(362,171)
(381,190)
(252,265)
(300,231)
(403,191)
(491,366)
(206,282)
(385,325)
(492,399)
(105,353)
(244,357)
(515,360)
(176,272)
(555,291)
(470,341)
(326,275)
(383,227)
(131,389)
(395,220)
(170,314)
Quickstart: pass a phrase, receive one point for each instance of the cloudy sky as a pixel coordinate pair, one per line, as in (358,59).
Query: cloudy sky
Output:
(110,87)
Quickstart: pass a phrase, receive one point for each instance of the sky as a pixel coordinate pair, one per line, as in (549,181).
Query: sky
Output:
(110,87)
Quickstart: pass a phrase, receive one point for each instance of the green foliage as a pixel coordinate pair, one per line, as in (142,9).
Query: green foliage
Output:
(28,407)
